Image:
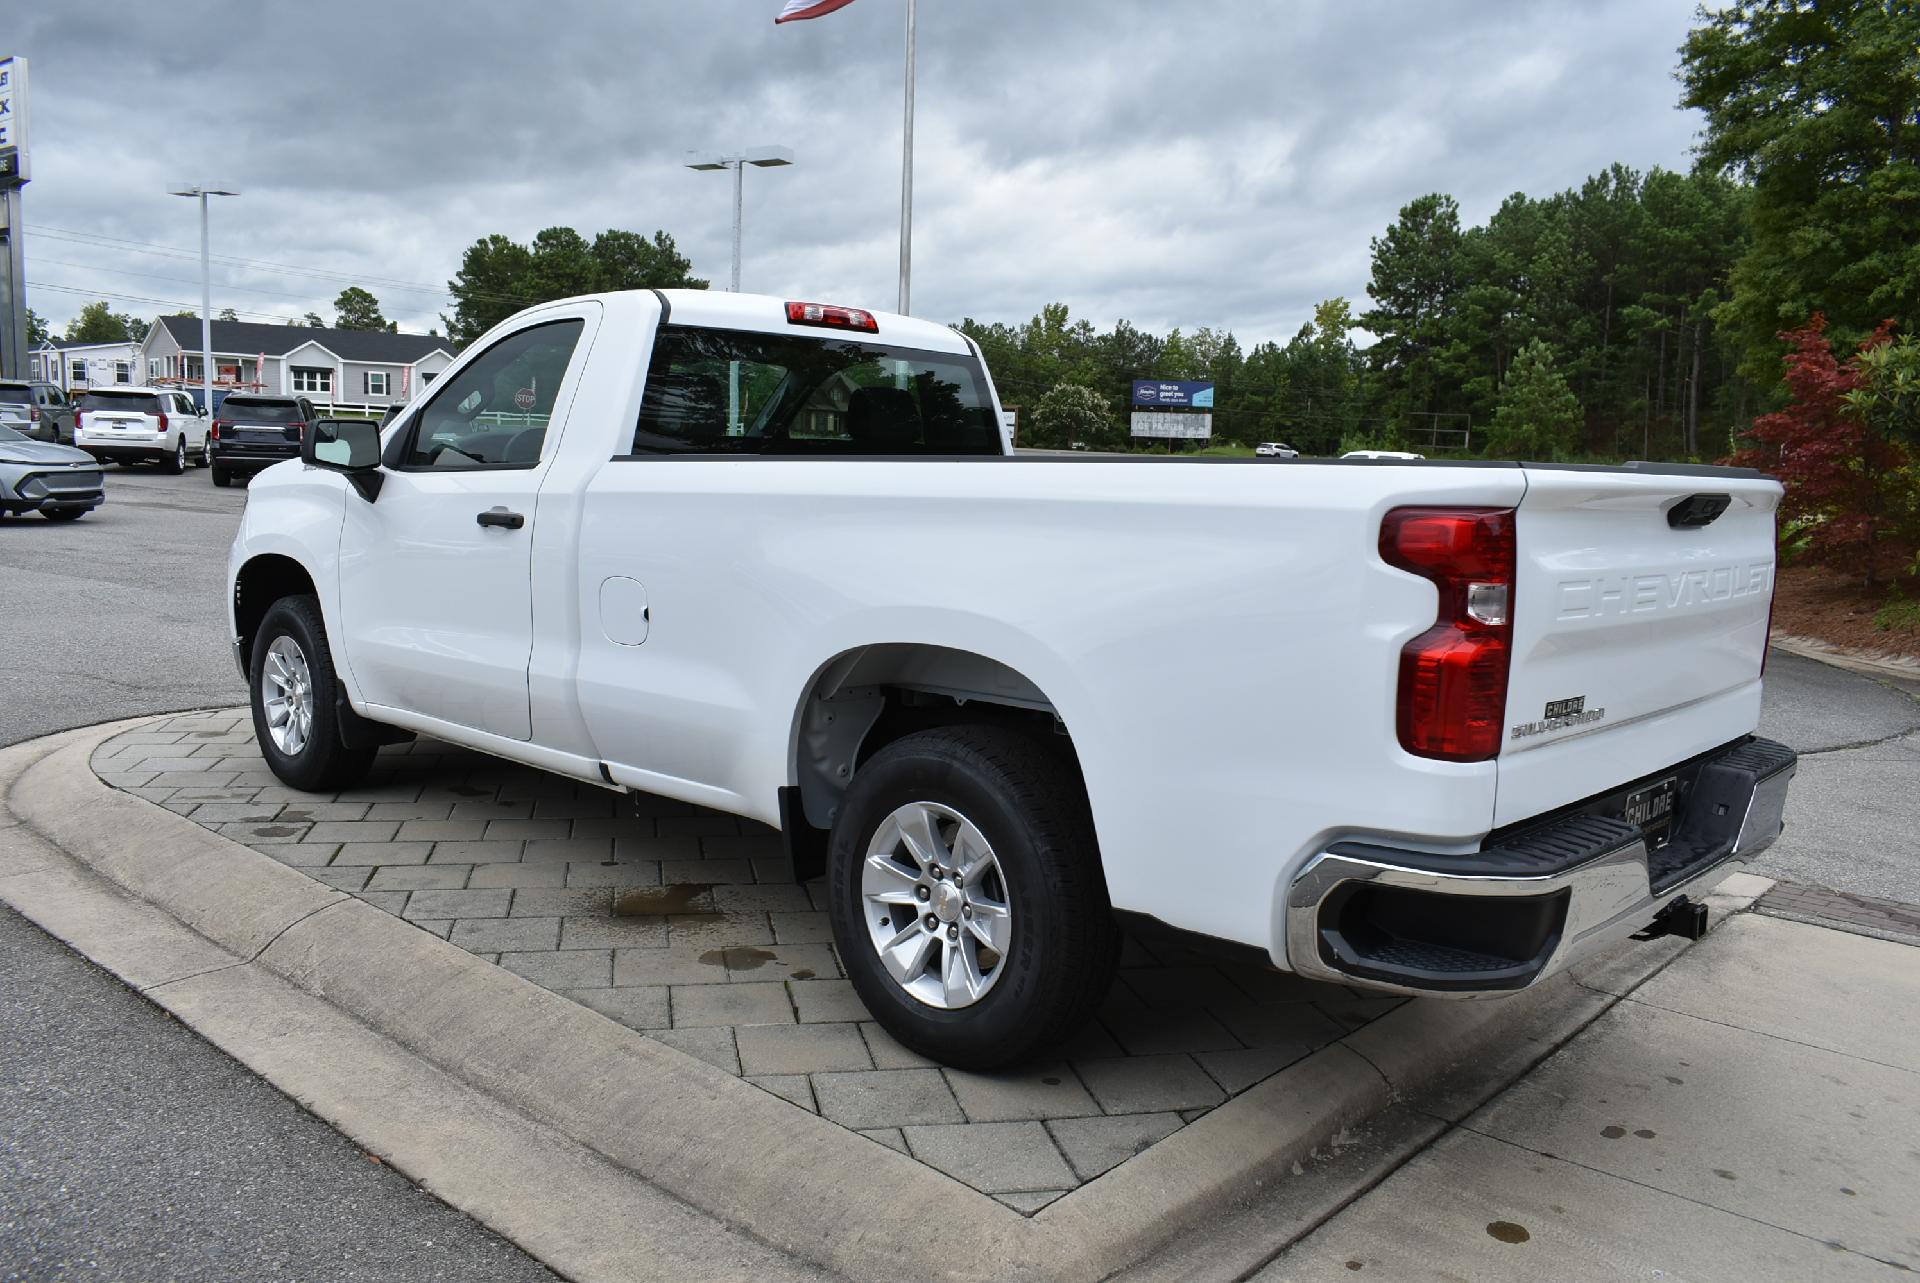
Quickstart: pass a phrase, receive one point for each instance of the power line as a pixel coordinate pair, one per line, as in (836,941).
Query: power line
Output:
(154,302)
(265,265)
(176,280)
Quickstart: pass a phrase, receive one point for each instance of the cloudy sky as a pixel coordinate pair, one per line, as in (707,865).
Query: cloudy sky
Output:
(1207,162)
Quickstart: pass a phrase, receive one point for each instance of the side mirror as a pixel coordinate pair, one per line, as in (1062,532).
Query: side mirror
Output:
(349,446)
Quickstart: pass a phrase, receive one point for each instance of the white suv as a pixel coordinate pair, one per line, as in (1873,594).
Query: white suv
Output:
(1276,450)
(142,425)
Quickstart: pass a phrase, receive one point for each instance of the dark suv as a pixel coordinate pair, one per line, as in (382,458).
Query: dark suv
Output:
(252,431)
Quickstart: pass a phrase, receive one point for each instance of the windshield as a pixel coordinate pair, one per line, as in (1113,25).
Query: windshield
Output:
(738,392)
(239,411)
(132,402)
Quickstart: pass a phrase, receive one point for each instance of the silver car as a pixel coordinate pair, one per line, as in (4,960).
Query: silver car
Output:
(56,481)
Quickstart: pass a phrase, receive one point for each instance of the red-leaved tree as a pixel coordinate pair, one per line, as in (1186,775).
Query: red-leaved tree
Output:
(1841,474)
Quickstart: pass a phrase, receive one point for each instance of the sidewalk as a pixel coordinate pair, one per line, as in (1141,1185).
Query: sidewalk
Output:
(1751,1113)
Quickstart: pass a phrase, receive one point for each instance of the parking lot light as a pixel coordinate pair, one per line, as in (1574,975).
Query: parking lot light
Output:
(206,284)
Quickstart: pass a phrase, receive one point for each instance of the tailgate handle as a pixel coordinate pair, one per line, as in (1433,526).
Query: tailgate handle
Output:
(1697,510)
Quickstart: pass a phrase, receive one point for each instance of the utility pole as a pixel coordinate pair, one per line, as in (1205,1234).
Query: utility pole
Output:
(13,177)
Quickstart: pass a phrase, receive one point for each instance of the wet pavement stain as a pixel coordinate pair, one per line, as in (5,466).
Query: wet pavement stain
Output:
(658,902)
(1677,1082)
(1613,1133)
(804,973)
(1646,1133)
(1724,1174)
(738,958)
(275,831)
(1355,1265)
(1508,1232)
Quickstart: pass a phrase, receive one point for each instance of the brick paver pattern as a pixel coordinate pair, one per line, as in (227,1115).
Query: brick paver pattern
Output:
(685,924)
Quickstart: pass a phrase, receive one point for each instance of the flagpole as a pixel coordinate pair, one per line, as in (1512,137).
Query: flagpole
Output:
(906,180)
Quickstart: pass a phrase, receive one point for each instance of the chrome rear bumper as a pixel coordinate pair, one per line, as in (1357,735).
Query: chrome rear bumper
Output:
(1514,913)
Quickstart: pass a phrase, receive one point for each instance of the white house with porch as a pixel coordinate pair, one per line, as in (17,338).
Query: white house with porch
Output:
(75,367)
(357,368)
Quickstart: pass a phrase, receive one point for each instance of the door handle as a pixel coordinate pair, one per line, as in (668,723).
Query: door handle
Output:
(502,518)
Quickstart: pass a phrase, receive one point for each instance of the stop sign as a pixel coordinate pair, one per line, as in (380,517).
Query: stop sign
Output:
(524,398)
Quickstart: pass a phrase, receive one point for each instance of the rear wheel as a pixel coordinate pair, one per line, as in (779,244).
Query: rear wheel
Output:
(221,477)
(206,453)
(294,691)
(176,463)
(966,895)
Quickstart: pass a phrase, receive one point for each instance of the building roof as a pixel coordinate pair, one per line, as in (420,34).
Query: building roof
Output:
(378,347)
(62,345)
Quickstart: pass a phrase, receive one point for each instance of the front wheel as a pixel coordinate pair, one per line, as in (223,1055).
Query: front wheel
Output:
(293,690)
(63,514)
(966,895)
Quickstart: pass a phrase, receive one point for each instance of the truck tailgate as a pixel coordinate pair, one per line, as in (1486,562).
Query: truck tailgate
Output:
(1640,621)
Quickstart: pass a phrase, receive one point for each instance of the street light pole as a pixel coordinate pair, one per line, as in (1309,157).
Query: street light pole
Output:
(906,181)
(206,288)
(765,158)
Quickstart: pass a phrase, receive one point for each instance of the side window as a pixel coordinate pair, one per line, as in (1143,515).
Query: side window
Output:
(494,413)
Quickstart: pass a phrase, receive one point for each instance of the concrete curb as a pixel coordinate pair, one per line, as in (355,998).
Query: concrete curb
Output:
(793,1180)
(1827,653)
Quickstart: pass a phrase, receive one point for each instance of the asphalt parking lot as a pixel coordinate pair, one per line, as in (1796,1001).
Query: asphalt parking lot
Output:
(126,617)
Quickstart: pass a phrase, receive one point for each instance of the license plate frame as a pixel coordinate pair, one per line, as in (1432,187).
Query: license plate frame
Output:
(1651,810)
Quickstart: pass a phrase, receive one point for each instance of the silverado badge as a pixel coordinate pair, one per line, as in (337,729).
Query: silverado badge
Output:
(1559,715)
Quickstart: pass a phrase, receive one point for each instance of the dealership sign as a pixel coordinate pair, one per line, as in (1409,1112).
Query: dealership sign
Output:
(13,110)
(1173,394)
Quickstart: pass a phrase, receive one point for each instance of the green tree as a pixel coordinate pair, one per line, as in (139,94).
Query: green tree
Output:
(1538,416)
(98,323)
(1816,104)
(37,331)
(312,321)
(357,309)
(1072,413)
(228,314)
(1414,288)
(499,276)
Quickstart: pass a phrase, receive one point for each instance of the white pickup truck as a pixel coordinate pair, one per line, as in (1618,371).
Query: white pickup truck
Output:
(1423,727)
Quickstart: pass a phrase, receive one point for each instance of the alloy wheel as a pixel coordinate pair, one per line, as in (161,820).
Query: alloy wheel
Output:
(936,903)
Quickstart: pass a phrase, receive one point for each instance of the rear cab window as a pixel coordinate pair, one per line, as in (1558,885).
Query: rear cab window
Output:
(126,402)
(262,411)
(738,392)
(16,394)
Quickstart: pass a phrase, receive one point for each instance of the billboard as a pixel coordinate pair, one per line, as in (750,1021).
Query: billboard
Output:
(1182,427)
(13,111)
(1173,394)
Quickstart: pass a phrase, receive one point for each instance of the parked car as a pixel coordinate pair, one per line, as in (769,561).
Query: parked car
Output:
(1503,716)
(1276,450)
(142,425)
(56,481)
(1382,454)
(36,409)
(252,431)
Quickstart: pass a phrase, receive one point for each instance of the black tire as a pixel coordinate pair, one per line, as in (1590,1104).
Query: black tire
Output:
(205,458)
(221,477)
(63,514)
(176,463)
(323,764)
(1023,793)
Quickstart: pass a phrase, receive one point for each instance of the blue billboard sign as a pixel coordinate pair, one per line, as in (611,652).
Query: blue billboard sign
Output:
(1173,394)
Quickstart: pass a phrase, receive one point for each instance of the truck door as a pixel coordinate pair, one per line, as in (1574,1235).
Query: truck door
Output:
(435,574)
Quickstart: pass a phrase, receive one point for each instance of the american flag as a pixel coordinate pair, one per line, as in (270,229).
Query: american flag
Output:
(798,9)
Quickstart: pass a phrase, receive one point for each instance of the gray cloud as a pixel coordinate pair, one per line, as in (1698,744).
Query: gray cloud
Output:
(1220,162)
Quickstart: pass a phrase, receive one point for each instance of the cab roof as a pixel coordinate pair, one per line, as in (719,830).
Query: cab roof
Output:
(719,309)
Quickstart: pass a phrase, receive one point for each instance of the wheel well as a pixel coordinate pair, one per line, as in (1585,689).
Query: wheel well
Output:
(866,699)
(261,582)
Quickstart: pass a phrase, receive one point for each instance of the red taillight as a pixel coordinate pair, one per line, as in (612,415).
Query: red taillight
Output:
(1453,677)
(835,318)
(298,428)
(213,429)
(33,414)
(76,419)
(163,422)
